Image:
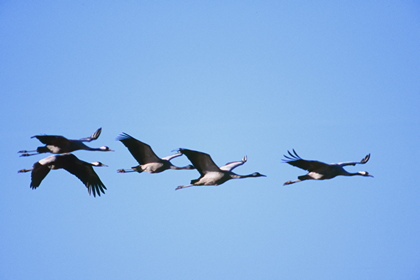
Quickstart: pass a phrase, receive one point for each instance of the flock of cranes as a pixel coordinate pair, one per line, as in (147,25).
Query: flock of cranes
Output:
(211,174)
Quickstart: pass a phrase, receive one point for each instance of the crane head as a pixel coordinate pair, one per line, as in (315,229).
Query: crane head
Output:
(97,163)
(365,173)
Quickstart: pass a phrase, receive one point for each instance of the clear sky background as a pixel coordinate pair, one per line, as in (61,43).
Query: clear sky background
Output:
(334,80)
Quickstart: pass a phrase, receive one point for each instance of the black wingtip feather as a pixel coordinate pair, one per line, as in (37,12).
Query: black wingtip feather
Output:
(123,136)
(291,156)
(96,189)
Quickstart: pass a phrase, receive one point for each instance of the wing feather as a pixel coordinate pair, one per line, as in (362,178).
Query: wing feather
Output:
(363,161)
(84,171)
(38,174)
(56,140)
(232,165)
(309,165)
(201,161)
(94,136)
(142,152)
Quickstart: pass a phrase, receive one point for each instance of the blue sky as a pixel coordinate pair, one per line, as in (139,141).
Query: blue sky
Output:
(333,80)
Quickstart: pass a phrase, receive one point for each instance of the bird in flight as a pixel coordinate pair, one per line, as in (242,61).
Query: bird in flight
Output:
(211,174)
(81,169)
(321,171)
(147,159)
(58,144)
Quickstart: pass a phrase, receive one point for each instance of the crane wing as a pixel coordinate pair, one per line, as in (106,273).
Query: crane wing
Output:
(60,141)
(363,161)
(309,165)
(142,152)
(39,172)
(172,156)
(84,171)
(232,165)
(201,161)
(94,136)
(56,140)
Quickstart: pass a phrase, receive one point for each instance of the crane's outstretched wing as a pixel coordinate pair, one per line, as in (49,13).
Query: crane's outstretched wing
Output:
(172,156)
(142,152)
(363,161)
(94,136)
(201,161)
(309,165)
(232,165)
(84,171)
(56,140)
(39,172)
